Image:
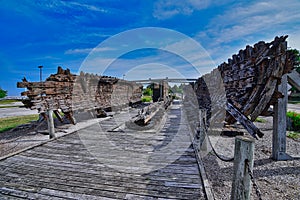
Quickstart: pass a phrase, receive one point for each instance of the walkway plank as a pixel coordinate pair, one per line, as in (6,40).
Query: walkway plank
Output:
(67,169)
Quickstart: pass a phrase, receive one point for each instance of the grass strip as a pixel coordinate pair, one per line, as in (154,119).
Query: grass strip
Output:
(294,135)
(8,101)
(12,106)
(146,99)
(260,120)
(8,123)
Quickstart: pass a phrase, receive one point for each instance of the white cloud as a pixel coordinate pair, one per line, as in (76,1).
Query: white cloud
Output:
(164,9)
(58,5)
(87,50)
(159,65)
(248,23)
(153,71)
(256,18)
(88,7)
(294,39)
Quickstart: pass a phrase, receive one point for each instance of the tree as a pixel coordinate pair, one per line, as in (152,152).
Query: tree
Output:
(176,89)
(296,55)
(297,59)
(147,92)
(3,93)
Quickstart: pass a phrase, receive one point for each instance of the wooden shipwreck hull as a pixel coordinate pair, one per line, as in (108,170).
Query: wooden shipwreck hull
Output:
(244,87)
(68,92)
(250,79)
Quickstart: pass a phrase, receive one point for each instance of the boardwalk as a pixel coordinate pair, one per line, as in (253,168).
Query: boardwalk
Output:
(143,165)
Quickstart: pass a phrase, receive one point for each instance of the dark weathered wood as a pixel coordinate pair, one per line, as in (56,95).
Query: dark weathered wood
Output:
(250,78)
(248,124)
(59,117)
(69,92)
(148,112)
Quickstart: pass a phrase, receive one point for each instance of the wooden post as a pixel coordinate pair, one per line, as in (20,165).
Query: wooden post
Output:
(279,124)
(161,90)
(202,130)
(50,124)
(244,150)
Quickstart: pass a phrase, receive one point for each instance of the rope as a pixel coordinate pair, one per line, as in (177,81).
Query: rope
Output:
(203,123)
(225,159)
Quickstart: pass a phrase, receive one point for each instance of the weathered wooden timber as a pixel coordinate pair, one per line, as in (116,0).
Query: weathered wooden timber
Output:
(69,93)
(250,79)
(148,112)
(251,76)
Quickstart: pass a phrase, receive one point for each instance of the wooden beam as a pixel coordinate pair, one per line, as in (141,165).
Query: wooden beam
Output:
(279,124)
(294,79)
(247,123)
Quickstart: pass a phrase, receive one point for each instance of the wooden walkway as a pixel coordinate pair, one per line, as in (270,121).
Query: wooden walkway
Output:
(67,168)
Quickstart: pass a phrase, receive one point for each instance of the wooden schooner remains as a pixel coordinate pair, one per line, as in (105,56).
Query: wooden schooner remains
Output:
(68,92)
(250,80)
(245,86)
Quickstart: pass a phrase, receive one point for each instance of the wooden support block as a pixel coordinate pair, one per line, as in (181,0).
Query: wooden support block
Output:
(243,152)
(50,124)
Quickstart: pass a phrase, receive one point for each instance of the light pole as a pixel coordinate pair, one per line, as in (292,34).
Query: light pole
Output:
(123,76)
(40,67)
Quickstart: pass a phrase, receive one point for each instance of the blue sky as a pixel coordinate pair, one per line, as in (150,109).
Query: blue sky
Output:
(53,33)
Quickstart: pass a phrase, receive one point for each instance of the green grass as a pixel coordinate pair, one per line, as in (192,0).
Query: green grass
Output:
(260,120)
(146,99)
(294,135)
(10,106)
(8,123)
(295,119)
(8,101)
(294,102)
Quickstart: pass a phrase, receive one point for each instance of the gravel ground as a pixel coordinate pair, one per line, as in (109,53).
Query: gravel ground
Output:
(275,179)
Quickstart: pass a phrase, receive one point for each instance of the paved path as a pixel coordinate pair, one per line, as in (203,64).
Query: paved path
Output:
(11,112)
(294,107)
(14,110)
(93,163)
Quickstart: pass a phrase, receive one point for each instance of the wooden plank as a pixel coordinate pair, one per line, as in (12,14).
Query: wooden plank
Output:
(64,168)
(8,193)
(294,79)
